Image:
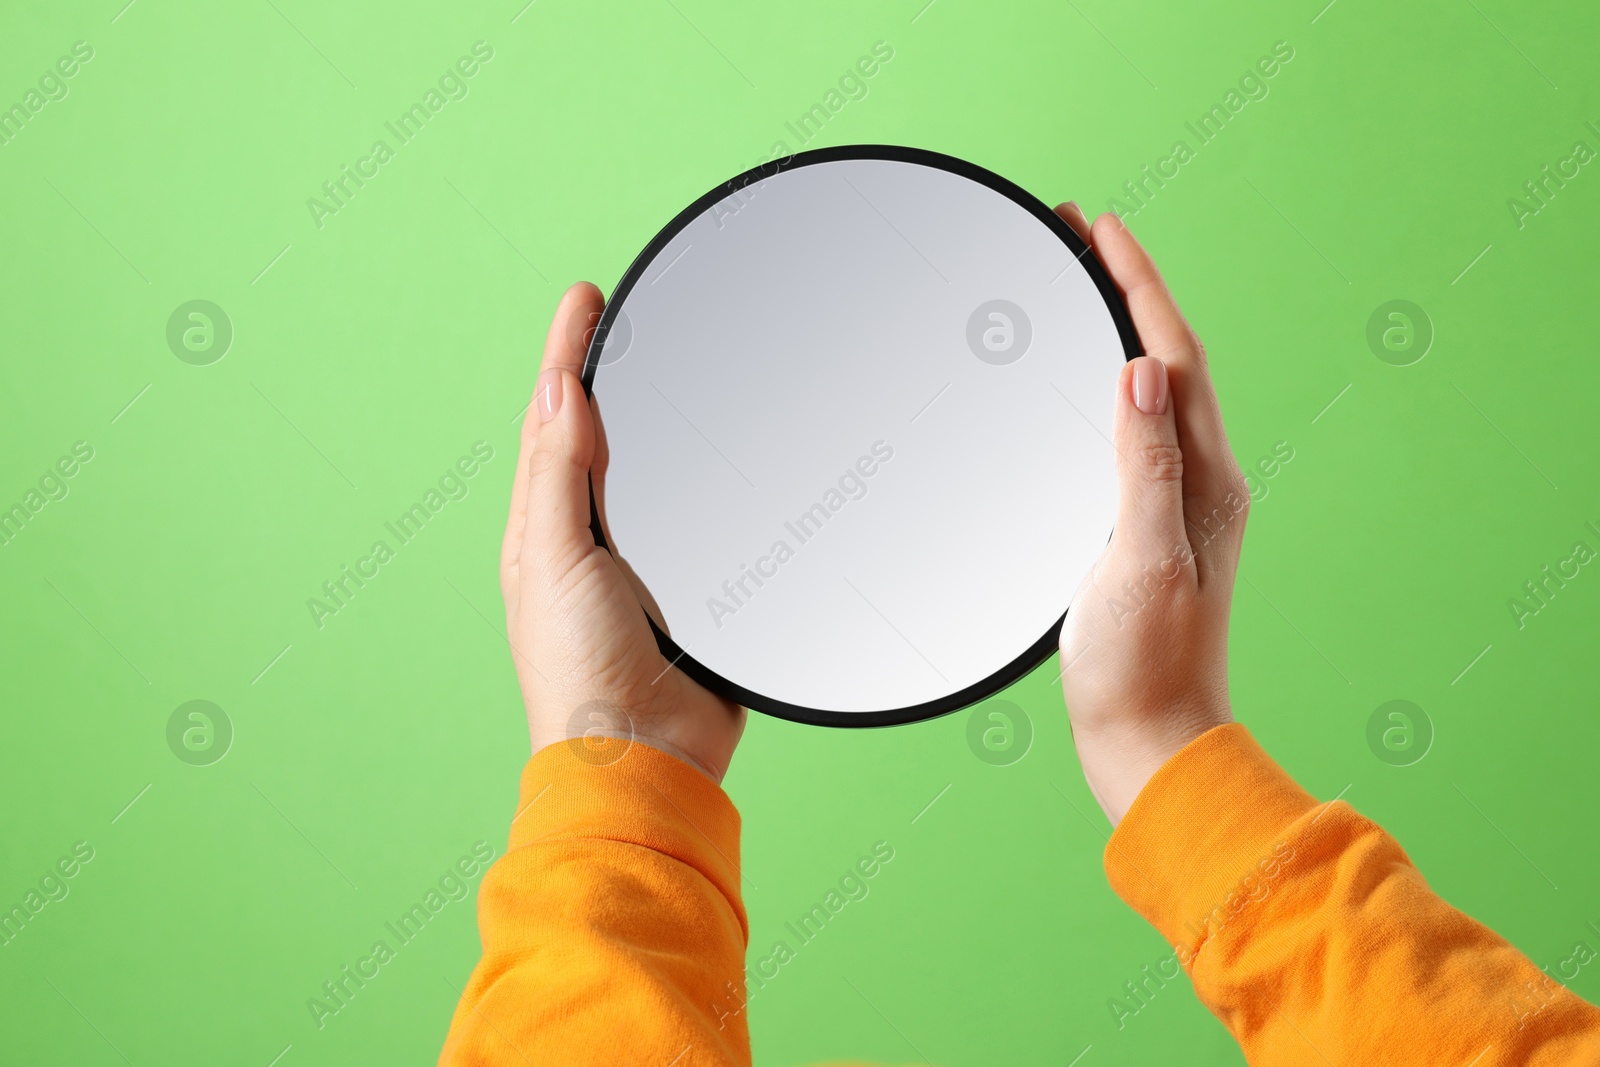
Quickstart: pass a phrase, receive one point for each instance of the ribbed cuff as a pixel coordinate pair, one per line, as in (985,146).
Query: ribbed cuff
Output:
(618,790)
(1204,836)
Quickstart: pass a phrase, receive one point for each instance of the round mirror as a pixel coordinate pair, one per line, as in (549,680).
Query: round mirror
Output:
(857,408)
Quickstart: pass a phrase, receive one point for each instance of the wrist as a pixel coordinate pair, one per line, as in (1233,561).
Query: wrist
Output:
(605,744)
(1120,756)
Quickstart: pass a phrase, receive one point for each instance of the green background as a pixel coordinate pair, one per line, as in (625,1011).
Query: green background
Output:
(371,352)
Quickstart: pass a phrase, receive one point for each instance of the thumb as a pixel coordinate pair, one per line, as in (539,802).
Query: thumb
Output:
(558,470)
(1149,461)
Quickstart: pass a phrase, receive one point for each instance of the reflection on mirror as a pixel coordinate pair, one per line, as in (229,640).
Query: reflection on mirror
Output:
(858,410)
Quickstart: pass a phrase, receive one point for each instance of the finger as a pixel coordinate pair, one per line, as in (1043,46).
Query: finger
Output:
(573,327)
(1073,216)
(1150,520)
(564,347)
(1162,328)
(1212,482)
(557,530)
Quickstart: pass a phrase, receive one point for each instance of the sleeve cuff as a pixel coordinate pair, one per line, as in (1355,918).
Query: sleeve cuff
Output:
(1204,835)
(625,791)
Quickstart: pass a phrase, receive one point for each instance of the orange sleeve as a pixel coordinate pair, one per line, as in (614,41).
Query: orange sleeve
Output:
(1308,932)
(613,929)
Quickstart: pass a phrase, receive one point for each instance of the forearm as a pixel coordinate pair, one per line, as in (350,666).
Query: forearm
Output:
(1308,932)
(613,926)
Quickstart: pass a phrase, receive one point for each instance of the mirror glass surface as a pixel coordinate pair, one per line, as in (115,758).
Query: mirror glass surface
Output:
(858,412)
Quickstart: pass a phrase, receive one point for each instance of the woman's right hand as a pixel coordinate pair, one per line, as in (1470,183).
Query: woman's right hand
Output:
(1144,652)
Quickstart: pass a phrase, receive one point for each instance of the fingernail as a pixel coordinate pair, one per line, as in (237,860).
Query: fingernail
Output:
(1150,385)
(547,394)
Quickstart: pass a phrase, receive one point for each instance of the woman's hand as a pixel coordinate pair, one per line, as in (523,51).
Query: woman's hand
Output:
(1144,651)
(585,657)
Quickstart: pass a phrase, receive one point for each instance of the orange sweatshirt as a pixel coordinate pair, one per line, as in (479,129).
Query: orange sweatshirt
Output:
(614,932)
